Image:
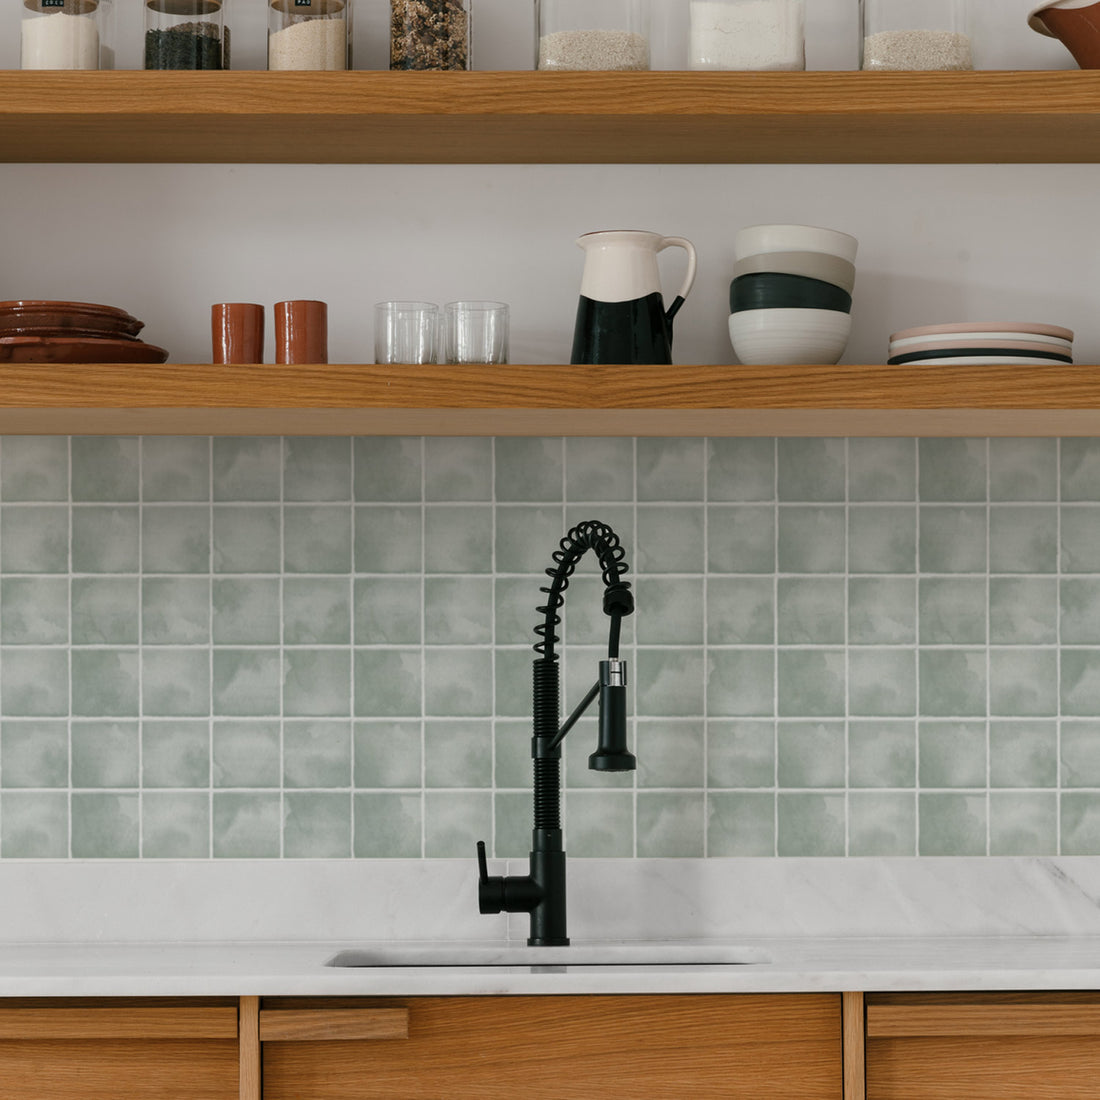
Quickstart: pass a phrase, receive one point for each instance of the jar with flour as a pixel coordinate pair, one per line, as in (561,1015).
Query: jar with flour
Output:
(313,35)
(912,35)
(748,34)
(66,34)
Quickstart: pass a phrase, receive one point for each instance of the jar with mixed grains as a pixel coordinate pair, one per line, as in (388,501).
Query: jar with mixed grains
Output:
(577,35)
(908,35)
(430,34)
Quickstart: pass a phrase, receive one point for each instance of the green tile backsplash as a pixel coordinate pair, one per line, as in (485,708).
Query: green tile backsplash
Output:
(264,648)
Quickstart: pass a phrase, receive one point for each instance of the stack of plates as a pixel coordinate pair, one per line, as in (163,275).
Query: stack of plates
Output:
(72,332)
(981,343)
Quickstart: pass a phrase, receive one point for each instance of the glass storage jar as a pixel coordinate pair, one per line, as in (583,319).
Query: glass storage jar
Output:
(748,34)
(66,34)
(577,35)
(430,34)
(309,34)
(906,35)
(186,34)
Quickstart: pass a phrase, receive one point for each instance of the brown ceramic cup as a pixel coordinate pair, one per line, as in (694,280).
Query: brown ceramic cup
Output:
(237,332)
(301,332)
(1076,24)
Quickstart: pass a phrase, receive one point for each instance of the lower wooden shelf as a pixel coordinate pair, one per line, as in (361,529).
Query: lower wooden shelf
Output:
(351,399)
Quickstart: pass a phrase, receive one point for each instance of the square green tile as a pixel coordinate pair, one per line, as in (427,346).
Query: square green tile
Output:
(1023,754)
(245,611)
(387,825)
(740,683)
(810,824)
(105,540)
(1081,754)
(952,682)
(512,824)
(454,821)
(34,825)
(670,469)
(458,610)
(1080,823)
(387,683)
(105,682)
(457,468)
(247,826)
(317,538)
(528,470)
(459,538)
(512,766)
(175,538)
(317,754)
(387,754)
(953,610)
(952,754)
(388,610)
(1080,682)
(316,682)
(175,683)
(952,469)
(105,825)
(175,467)
(1023,469)
(34,467)
(246,682)
(512,672)
(671,825)
(673,612)
(106,754)
(105,610)
(882,823)
(882,610)
(316,825)
(246,468)
(811,754)
(1023,682)
(105,468)
(882,539)
(670,682)
(1080,531)
(34,538)
(671,753)
(811,540)
(458,753)
(175,611)
(740,823)
(35,682)
(741,539)
(1080,469)
(175,825)
(811,470)
(953,539)
(1024,611)
(740,754)
(34,610)
(740,469)
(811,683)
(600,824)
(882,469)
(458,681)
(387,539)
(175,753)
(670,539)
(882,682)
(1023,539)
(316,611)
(740,611)
(952,824)
(387,468)
(34,754)
(317,468)
(1023,824)
(1079,600)
(246,754)
(810,612)
(247,539)
(882,753)
(599,469)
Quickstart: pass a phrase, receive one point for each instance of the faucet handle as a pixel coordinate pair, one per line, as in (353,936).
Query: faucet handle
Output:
(482,862)
(490,890)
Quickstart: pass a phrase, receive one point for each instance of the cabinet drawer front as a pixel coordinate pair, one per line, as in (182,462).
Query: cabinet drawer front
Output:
(118,1023)
(575,1048)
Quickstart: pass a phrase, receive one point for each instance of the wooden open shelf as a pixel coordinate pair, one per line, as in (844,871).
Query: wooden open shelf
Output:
(550,400)
(531,117)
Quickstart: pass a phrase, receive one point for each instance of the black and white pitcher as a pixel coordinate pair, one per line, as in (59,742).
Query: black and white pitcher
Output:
(621,317)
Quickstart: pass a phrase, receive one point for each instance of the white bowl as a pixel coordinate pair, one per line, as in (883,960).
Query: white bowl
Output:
(755,239)
(787,337)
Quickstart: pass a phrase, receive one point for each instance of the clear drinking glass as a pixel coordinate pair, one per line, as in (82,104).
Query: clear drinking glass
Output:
(406,332)
(66,34)
(186,34)
(910,35)
(309,34)
(748,34)
(475,332)
(577,35)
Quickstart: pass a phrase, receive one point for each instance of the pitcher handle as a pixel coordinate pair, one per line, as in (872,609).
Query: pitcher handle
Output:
(689,277)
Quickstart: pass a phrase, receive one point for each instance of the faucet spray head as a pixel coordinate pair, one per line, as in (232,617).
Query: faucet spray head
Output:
(611,754)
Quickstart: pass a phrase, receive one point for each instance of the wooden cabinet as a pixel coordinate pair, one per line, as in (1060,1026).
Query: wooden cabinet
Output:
(653,1047)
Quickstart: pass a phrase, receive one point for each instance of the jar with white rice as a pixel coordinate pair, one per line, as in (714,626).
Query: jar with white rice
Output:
(911,35)
(578,35)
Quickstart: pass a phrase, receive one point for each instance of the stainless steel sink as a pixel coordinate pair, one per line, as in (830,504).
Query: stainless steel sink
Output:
(581,954)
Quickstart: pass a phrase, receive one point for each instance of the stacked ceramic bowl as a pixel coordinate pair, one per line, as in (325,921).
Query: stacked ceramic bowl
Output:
(72,332)
(791,295)
(981,343)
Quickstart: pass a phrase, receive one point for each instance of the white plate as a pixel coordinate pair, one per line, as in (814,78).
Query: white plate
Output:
(971,339)
(984,361)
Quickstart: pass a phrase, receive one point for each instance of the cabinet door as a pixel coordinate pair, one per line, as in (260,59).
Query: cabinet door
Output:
(107,1050)
(563,1048)
(995,1046)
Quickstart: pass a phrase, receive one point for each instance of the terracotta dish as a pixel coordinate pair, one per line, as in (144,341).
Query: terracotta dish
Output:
(46,318)
(54,349)
(1075,23)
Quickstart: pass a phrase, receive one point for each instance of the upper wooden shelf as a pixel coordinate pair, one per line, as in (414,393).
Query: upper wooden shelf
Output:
(550,400)
(532,117)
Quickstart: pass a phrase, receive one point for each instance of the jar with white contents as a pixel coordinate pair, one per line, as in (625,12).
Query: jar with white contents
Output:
(309,34)
(748,34)
(66,34)
(579,35)
(915,35)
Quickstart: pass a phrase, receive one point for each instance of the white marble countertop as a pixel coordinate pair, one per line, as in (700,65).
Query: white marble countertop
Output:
(797,965)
